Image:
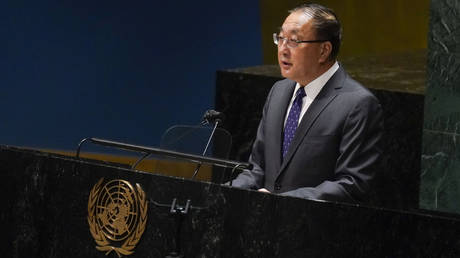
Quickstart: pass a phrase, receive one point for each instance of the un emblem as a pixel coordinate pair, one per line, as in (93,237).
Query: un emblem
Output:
(117,215)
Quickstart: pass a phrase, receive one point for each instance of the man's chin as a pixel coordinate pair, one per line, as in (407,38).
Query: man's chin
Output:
(286,74)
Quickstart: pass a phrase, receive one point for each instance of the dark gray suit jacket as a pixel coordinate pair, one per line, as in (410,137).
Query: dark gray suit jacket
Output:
(335,148)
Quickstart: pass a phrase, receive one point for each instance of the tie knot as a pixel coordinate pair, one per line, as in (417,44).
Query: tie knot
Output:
(300,93)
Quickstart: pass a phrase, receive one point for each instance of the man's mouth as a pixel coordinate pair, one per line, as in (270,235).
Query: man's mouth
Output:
(286,65)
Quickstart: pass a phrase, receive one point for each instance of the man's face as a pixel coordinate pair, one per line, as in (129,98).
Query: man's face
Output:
(302,63)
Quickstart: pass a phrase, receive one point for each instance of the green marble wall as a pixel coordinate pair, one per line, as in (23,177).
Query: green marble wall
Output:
(440,175)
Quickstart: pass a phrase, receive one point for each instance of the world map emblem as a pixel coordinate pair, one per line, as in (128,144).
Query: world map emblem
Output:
(117,215)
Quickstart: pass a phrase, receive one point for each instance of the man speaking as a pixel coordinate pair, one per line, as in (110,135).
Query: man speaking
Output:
(320,132)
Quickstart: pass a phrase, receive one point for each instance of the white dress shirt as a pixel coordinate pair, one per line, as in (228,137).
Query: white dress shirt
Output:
(311,90)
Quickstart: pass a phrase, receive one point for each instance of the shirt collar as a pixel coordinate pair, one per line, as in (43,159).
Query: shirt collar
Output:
(314,87)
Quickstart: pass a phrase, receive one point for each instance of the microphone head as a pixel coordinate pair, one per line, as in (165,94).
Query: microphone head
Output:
(213,116)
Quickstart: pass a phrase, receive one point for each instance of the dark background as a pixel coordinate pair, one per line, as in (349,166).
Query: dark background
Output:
(121,70)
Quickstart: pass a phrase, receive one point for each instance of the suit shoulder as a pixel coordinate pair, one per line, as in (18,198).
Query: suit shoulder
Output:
(282,83)
(281,86)
(356,89)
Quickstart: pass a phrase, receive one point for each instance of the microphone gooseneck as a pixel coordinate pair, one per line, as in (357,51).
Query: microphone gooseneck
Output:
(210,116)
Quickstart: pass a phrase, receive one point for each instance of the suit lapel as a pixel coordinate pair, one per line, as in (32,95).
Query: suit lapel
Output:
(326,96)
(284,99)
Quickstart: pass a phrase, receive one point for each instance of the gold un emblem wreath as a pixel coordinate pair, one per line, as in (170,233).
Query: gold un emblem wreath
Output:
(117,215)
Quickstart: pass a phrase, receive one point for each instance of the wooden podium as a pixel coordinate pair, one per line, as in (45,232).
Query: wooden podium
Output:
(58,206)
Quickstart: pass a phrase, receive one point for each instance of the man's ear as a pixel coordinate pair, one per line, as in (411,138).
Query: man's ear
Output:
(326,49)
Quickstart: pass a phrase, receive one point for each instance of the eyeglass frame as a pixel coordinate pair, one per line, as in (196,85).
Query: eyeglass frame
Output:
(276,40)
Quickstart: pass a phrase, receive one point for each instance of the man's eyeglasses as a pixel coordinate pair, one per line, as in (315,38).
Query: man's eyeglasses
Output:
(292,43)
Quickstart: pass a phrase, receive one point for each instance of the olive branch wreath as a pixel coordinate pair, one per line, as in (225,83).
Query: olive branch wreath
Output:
(102,243)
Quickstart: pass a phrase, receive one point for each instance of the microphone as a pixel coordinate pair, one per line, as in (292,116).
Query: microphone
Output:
(213,116)
(210,116)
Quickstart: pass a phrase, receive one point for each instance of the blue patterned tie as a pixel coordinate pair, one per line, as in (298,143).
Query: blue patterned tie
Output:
(293,119)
